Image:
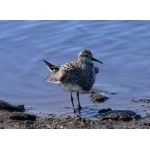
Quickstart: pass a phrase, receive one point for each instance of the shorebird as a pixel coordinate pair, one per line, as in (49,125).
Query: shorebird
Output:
(77,76)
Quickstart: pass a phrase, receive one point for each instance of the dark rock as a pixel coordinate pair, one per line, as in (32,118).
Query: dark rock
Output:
(78,118)
(148,114)
(96,97)
(83,120)
(147,123)
(9,107)
(124,115)
(146,100)
(104,110)
(23,116)
(112,92)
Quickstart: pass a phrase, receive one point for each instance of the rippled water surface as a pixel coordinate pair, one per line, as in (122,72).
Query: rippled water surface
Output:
(123,47)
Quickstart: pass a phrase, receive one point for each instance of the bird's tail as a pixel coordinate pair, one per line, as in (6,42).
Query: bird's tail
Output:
(50,66)
(52,77)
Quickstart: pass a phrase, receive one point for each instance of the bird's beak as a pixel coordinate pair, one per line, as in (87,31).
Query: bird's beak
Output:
(93,59)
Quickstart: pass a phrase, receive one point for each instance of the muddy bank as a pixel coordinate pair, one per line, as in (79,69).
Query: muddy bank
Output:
(14,117)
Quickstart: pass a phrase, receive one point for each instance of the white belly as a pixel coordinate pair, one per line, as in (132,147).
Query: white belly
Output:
(70,87)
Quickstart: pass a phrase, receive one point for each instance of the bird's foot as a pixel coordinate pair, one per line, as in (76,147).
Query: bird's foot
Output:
(79,107)
(74,111)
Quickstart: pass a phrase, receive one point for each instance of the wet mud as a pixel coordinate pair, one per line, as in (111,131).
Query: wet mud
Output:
(11,118)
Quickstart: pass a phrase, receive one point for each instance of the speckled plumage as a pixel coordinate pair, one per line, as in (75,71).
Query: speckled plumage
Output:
(77,76)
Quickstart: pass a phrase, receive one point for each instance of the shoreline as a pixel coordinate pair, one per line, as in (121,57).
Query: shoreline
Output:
(15,117)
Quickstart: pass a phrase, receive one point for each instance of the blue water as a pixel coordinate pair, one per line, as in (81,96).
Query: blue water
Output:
(123,47)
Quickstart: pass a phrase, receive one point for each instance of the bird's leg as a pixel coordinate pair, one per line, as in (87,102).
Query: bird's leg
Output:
(72,102)
(78,101)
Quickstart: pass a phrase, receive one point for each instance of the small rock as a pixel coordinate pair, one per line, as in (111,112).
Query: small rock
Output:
(146,123)
(67,117)
(134,100)
(78,118)
(96,97)
(83,120)
(148,114)
(112,92)
(146,100)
